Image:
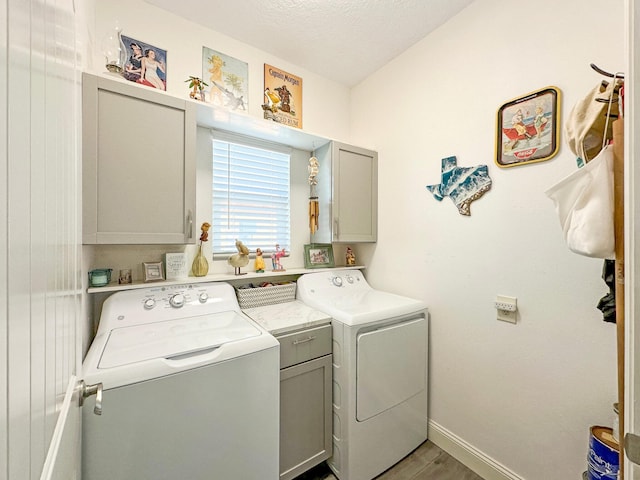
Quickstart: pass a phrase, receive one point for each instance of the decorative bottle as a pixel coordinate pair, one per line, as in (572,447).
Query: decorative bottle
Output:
(200,266)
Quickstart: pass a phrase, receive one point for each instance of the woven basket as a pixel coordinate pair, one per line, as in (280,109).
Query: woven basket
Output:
(261,296)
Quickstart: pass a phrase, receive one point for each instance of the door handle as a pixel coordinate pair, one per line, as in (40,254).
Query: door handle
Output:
(89,390)
(189,225)
(632,447)
(308,339)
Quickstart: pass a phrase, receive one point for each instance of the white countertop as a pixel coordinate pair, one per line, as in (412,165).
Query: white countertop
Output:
(287,317)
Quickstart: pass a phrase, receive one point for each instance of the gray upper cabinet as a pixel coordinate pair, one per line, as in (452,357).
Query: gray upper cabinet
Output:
(139,170)
(353,195)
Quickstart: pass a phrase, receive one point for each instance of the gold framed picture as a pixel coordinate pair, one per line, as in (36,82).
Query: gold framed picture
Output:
(528,128)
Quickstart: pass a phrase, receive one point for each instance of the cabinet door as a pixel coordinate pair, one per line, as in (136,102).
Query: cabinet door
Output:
(355,194)
(305,416)
(138,165)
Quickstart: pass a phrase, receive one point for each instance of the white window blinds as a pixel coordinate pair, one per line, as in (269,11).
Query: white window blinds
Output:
(250,195)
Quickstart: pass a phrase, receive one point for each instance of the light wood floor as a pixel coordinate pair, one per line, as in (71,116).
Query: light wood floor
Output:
(427,462)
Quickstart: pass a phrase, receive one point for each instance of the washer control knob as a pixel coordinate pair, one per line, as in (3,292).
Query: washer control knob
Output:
(349,279)
(203,297)
(149,303)
(177,300)
(337,281)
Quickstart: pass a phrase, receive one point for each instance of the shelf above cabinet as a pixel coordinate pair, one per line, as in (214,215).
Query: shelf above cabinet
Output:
(244,124)
(216,277)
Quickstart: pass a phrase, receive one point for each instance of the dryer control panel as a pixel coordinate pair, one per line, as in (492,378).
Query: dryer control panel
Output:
(332,283)
(352,279)
(348,297)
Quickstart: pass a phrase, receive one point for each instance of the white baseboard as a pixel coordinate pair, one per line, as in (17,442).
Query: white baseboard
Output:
(467,454)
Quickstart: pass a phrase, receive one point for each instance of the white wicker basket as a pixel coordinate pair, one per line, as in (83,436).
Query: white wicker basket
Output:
(261,296)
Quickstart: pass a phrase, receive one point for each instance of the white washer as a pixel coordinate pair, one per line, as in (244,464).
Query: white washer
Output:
(190,388)
(380,371)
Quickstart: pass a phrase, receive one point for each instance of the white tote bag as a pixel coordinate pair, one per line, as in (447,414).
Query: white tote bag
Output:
(584,203)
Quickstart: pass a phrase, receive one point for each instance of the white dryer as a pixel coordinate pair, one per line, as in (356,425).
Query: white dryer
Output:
(380,371)
(190,388)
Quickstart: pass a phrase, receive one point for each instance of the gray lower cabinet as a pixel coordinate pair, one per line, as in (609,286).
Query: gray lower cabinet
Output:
(305,400)
(138,178)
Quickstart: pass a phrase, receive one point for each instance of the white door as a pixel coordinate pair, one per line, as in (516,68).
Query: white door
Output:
(63,457)
(632,240)
(40,270)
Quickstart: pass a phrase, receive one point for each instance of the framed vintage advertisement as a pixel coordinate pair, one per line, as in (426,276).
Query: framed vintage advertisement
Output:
(282,97)
(145,64)
(528,128)
(227,78)
(318,255)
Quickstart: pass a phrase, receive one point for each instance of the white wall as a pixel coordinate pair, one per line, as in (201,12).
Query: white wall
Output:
(526,394)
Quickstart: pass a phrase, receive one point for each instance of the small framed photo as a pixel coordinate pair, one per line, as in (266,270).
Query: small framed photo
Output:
(528,128)
(153,272)
(318,255)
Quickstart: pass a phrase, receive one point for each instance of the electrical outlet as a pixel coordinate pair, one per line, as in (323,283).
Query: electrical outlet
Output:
(507,308)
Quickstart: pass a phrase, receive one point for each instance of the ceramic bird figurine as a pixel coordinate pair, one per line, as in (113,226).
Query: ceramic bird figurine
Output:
(240,259)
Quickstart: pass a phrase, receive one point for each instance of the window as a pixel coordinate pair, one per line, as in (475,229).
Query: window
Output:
(250,194)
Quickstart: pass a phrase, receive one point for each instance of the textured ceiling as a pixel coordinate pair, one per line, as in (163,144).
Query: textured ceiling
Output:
(343,40)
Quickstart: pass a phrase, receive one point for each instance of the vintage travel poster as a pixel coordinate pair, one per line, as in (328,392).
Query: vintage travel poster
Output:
(227,80)
(282,97)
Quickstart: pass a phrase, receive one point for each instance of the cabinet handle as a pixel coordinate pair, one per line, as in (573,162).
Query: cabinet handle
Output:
(308,339)
(189,226)
(336,235)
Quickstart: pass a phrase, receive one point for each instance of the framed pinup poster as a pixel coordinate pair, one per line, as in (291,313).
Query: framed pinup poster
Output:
(145,64)
(282,97)
(528,128)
